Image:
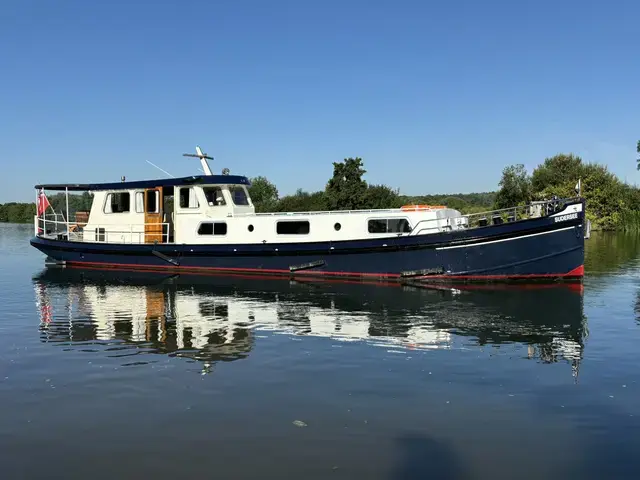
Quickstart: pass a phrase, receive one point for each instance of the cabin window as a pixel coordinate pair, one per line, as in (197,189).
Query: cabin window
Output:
(293,228)
(139,202)
(188,198)
(214,196)
(117,203)
(212,228)
(239,195)
(389,225)
(152,201)
(100,234)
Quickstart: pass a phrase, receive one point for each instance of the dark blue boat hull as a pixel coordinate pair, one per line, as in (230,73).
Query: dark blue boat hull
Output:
(541,248)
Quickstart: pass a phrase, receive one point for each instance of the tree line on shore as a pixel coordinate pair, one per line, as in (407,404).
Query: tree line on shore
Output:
(611,203)
(16,212)
(347,190)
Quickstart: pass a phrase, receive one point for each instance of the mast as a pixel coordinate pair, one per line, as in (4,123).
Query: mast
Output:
(203,159)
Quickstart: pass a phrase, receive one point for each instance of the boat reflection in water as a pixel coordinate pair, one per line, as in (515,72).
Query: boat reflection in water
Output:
(210,318)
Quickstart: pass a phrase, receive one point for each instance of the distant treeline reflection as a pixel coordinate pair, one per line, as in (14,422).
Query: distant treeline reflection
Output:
(606,252)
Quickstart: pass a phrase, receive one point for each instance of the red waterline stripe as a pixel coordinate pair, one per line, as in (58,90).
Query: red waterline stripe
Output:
(156,269)
(576,272)
(424,285)
(232,269)
(253,276)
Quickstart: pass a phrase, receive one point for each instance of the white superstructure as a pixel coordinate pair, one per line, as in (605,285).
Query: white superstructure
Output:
(217,209)
(224,213)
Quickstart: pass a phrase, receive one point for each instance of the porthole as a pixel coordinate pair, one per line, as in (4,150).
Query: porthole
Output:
(337,226)
(250,228)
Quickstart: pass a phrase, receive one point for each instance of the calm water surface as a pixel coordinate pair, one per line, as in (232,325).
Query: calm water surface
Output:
(138,376)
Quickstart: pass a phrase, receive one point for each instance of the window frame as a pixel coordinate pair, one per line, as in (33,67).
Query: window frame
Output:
(308,222)
(244,190)
(213,229)
(135,197)
(156,200)
(215,187)
(386,220)
(107,201)
(193,191)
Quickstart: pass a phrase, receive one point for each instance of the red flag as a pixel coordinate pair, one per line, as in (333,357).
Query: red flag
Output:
(43,202)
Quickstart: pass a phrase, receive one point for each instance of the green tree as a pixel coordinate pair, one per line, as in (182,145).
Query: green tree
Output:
(515,187)
(264,194)
(346,190)
(611,204)
(455,202)
(638,152)
(605,196)
(465,202)
(557,176)
(381,196)
(302,201)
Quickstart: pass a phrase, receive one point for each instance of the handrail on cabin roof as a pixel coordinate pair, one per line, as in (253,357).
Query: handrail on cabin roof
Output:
(163,182)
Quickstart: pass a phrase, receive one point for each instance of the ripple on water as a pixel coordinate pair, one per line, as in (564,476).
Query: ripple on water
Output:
(388,381)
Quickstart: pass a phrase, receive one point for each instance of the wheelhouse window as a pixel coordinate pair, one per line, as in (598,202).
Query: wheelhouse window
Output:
(117,202)
(139,202)
(212,228)
(239,195)
(214,196)
(293,227)
(389,225)
(188,198)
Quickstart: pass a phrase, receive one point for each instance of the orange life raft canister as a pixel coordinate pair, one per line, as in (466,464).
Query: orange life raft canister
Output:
(415,208)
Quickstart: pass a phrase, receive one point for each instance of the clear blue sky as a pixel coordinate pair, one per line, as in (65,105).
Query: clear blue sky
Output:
(436,96)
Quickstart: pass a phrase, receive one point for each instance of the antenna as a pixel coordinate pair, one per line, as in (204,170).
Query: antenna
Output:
(162,170)
(203,159)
